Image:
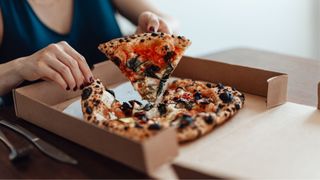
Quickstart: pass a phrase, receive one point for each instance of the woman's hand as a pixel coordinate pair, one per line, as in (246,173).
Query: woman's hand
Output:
(59,63)
(150,22)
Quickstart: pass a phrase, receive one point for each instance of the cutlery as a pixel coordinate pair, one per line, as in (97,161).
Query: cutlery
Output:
(43,146)
(15,154)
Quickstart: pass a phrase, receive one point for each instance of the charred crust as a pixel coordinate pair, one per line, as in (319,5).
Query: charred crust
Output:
(209,119)
(169,55)
(116,60)
(154,126)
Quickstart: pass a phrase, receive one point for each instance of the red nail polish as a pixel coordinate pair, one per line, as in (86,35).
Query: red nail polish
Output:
(151,29)
(82,86)
(91,80)
(68,88)
(75,88)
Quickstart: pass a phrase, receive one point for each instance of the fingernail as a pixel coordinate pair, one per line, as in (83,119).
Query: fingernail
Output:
(151,29)
(75,88)
(68,88)
(91,80)
(82,86)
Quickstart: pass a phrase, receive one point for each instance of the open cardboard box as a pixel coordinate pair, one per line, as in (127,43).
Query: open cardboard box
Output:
(281,142)
(42,104)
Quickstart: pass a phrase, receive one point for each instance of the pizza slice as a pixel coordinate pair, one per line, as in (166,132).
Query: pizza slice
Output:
(147,60)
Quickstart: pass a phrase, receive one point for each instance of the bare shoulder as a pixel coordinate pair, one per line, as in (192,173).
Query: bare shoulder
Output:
(1,27)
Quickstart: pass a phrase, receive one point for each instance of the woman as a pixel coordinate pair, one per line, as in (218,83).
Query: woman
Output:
(56,40)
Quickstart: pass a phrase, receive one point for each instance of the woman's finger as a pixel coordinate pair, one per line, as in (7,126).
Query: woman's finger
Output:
(73,65)
(48,73)
(82,63)
(149,22)
(164,27)
(63,70)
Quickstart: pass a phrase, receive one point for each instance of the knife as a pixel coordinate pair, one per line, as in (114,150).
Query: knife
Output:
(43,146)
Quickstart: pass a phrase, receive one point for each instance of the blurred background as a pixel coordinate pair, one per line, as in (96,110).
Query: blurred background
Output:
(285,26)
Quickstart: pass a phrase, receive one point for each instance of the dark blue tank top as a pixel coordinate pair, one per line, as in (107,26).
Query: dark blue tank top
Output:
(93,22)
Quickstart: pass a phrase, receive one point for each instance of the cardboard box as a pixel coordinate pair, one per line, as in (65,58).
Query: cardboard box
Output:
(42,104)
(282,142)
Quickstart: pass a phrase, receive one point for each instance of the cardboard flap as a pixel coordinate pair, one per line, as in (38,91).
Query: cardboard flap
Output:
(277,90)
(268,84)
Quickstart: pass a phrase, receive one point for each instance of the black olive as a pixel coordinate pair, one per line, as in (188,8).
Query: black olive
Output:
(147,107)
(169,55)
(208,119)
(126,108)
(161,85)
(197,95)
(151,70)
(135,101)
(162,109)
(237,106)
(86,93)
(111,92)
(88,110)
(133,63)
(116,60)
(96,102)
(185,121)
(220,86)
(226,97)
(154,126)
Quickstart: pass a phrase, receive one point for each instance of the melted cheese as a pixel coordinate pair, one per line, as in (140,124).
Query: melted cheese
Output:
(107,99)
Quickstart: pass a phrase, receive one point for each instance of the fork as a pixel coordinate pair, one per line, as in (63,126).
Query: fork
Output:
(15,154)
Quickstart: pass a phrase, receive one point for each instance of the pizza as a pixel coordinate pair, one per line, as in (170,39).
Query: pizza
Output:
(193,108)
(128,119)
(147,60)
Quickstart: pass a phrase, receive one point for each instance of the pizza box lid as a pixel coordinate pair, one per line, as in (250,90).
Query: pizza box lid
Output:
(42,104)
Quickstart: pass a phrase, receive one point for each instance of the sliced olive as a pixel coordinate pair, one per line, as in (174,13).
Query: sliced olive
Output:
(197,95)
(185,121)
(86,93)
(162,109)
(226,97)
(147,107)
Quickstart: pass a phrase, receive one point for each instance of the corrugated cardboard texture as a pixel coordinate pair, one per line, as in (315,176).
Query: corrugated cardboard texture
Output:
(282,142)
(250,80)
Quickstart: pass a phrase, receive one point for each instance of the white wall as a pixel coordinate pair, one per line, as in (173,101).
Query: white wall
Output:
(285,26)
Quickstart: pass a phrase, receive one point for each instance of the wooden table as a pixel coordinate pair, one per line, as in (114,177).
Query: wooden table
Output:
(304,75)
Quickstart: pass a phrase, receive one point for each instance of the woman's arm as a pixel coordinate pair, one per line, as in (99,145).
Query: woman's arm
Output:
(143,14)
(58,62)
(9,77)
